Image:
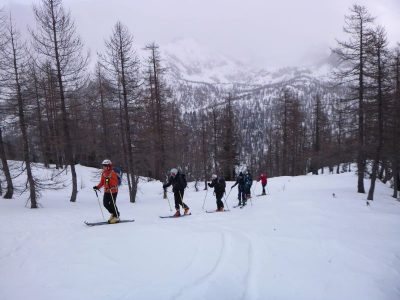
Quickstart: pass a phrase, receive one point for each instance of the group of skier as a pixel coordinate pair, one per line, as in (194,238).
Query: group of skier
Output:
(110,181)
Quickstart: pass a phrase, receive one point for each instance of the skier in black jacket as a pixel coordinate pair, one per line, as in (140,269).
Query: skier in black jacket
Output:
(241,189)
(218,183)
(178,182)
(248,182)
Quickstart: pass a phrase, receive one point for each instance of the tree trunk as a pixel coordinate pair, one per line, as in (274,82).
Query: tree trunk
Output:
(68,141)
(40,122)
(21,115)
(380,124)
(6,169)
(127,126)
(103,114)
(361,155)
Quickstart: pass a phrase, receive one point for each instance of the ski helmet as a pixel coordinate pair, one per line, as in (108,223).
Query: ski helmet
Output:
(106,162)
(214,176)
(173,172)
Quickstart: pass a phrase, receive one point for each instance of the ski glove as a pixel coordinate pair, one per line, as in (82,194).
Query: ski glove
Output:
(95,188)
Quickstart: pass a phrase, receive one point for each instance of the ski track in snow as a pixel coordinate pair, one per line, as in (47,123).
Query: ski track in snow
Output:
(205,276)
(296,243)
(219,270)
(248,273)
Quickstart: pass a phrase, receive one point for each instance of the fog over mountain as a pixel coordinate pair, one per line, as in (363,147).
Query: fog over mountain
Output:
(259,33)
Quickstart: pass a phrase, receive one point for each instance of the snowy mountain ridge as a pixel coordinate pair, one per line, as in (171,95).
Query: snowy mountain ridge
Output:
(188,60)
(200,77)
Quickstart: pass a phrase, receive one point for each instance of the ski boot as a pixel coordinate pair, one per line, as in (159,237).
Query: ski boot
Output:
(110,218)
(114,220)
(186,212)
(177,214)
(220,209)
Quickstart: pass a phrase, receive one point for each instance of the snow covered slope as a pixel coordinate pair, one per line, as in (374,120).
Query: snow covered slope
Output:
(298,242)
(191,61)
(200,78)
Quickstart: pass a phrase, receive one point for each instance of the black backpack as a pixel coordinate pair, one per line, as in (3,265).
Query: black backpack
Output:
(240,180)
(181,180)
(220,185)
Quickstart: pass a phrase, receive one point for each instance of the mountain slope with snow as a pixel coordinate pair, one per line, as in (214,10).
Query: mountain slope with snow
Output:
(298,242)
(201,78)
(186,59)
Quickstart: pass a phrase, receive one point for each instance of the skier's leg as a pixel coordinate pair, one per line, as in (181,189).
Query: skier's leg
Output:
(240,196)
(107,202)
(114,205)
(177,199)
(244,197)
(185,207)
(220,204)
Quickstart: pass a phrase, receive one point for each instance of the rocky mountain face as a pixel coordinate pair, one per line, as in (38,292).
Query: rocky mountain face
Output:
(201,78)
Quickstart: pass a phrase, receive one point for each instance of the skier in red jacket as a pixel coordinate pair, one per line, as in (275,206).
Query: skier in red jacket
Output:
(263,178)
(109,180)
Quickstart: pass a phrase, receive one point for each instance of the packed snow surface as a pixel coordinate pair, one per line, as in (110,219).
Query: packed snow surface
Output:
(311,237)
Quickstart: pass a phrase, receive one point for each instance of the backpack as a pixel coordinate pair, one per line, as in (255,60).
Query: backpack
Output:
(248,180)
(181,180)
(118,171)
(221,185)
(240,180)
(222,182)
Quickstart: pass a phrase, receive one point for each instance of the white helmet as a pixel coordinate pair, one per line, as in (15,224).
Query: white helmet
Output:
(173,172)
(106,162)
(214,176)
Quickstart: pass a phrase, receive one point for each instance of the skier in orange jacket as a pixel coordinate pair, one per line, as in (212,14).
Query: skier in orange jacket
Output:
(109,179)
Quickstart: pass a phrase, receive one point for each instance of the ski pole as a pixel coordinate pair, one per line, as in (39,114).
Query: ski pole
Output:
(166,197)
(251,202)
(252,189)
(183,204)
(115,207)
(267,189)
(226,198)
(99,204)
(204,201)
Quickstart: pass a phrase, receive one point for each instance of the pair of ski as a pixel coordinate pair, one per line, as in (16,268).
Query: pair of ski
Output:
(91,224)
(167,217)
(240,206)
(207,211)
(216,211)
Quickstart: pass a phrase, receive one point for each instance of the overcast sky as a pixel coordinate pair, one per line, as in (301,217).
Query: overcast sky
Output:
(263,32)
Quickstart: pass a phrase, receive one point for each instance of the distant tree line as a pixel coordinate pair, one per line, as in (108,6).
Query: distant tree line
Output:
(54,110)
